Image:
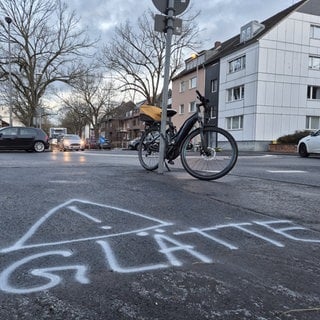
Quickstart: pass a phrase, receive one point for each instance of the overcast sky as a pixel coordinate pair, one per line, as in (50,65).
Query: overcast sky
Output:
(219,20)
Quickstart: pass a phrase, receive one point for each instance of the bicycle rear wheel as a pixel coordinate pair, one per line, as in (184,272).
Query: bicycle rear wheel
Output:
(209,157)
(148,149)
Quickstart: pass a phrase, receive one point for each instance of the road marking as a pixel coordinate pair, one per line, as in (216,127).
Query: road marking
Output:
(286,171)
(63,181)
(251,156)
(111,155)
(120,222)
(76,210)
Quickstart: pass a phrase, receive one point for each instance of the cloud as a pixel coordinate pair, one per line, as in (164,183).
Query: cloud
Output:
(221,20)
(218,19)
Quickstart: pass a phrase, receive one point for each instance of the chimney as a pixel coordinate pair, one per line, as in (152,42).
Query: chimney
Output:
(217,44)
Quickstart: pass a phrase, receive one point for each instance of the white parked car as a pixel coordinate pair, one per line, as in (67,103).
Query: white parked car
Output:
(133,144)
(70,142)
(309,144)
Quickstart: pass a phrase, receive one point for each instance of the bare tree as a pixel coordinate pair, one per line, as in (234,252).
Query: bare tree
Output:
(47,46)
(90,99)
(137,54)
(73,121)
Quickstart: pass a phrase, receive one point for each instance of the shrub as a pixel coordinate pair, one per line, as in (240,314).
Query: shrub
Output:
(293,138)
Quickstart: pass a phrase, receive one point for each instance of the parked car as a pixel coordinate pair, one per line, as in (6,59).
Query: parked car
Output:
(104,143)
(133,144)
(70,142)
(101,143)
(23,138)
(91,143)
(309,144)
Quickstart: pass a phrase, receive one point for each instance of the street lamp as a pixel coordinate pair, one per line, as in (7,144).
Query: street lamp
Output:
(9,20)
(194,55)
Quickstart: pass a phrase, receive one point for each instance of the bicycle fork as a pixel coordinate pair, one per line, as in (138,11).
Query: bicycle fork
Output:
(207,143)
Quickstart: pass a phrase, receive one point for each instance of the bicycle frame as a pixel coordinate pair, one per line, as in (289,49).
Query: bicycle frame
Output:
(173,149)
(185,129)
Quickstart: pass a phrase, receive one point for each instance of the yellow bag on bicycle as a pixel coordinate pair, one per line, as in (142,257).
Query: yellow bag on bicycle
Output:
(150,113)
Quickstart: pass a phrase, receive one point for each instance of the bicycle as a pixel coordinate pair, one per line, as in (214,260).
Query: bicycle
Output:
(207,152)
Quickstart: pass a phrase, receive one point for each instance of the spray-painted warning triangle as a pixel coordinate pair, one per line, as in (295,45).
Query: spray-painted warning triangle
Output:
(79,220)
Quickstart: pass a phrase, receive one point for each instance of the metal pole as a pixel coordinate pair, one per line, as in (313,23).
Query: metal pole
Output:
(8,20)
(166,84)
(40,125)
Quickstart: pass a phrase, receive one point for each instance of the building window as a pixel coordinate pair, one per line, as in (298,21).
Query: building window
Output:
(236,93)
(212,112)
(312,122)
(235,123)
(181,109)
(182,86)
(246,33)
(192,106)
(315,32)
(193,83)
(214,85)
(237,64)
(314,63)
(313,93)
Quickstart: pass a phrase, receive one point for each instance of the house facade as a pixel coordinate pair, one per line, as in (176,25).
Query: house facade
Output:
(264,82)
(3,123)
(123,125)
(184,97)
(5,118)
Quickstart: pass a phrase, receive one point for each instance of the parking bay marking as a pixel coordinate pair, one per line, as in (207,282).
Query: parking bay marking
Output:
(286,171)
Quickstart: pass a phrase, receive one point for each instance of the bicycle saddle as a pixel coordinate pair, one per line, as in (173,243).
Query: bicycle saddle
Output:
(171,113)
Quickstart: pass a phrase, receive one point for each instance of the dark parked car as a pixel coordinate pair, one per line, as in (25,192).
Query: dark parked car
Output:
(70,142)
(22,138)
(91,143)
(133,144)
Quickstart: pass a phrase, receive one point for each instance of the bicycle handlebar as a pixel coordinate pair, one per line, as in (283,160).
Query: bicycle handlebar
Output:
(202,99)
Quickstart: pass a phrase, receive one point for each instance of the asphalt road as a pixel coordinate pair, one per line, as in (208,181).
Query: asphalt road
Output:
(91,235)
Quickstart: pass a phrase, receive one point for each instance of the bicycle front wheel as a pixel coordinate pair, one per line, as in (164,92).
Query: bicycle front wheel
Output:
(148,149)
(209,154)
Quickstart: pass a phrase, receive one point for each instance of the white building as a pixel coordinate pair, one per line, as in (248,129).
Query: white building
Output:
(268,77)
(5,117)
